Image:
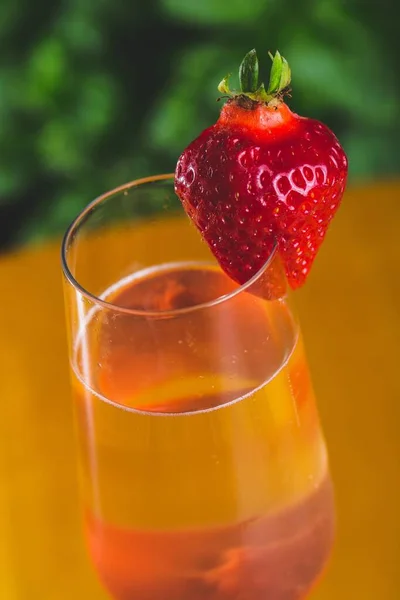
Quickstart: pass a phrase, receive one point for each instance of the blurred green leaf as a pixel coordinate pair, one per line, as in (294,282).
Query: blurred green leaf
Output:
(10,182)
(97,104)
(79,31)
(9,16)
(329,80)
(216,11)
(60,146)
(48,64)
(372,151)
(189,104)
(55,217)
(46,73)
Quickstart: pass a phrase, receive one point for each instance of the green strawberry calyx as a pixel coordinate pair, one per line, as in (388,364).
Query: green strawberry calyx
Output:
(278,85)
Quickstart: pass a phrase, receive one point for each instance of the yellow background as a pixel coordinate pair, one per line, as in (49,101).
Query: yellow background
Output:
(349,312)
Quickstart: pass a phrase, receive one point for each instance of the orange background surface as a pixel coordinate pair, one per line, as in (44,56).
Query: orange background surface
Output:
(349,312)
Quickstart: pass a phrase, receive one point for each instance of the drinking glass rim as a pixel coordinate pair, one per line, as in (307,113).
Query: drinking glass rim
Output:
(101,303)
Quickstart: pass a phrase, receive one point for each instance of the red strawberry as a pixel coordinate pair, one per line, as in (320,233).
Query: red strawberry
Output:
(261,176)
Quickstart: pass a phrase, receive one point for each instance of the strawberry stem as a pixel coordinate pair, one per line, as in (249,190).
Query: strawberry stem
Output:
(279,79)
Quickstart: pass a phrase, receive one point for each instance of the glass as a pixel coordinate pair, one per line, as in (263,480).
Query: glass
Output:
(203,467)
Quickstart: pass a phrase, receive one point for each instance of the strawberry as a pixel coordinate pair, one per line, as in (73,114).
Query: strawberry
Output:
(262,176)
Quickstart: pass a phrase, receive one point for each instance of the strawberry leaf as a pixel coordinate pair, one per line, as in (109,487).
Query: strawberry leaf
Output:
(280,75)
(260,95)
(248,72)
(285,75)
(275,75)
(223,86)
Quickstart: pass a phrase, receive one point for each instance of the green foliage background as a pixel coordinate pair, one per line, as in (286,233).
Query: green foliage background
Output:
(94,93)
